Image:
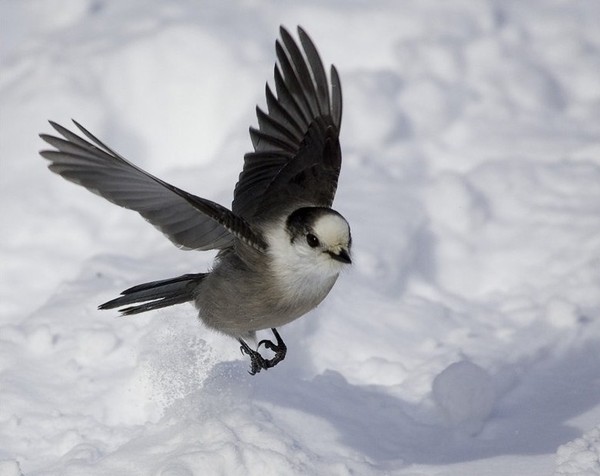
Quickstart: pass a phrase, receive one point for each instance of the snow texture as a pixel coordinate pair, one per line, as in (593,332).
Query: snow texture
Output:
(581,456)
(465,395)
(463,341)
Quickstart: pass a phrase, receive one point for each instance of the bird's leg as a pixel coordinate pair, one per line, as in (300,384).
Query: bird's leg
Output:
(257,361)
(280,349)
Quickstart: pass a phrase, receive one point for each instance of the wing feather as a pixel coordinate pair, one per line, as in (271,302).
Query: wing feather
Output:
(296,159)
(188,221)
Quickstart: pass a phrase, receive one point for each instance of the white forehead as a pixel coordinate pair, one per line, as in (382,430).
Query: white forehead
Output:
(332,229)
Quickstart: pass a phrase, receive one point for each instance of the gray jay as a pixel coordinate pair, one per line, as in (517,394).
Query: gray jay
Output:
(280,248)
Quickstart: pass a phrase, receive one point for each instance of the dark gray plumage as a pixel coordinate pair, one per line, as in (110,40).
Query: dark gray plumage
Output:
(281,246)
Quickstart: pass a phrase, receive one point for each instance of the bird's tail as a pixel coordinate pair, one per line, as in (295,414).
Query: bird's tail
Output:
(156,294)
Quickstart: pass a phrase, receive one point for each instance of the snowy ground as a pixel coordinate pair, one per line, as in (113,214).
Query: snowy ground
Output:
(464,341)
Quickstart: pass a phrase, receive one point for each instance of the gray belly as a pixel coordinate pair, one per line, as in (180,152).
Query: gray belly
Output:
(239,302)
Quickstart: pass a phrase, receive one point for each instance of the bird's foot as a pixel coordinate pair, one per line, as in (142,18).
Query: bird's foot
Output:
(280,348)
(257,361)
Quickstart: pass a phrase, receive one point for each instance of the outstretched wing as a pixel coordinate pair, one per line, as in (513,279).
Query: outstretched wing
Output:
(297,158)
(187,220)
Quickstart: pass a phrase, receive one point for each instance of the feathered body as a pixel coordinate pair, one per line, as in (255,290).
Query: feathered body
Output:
(270,296)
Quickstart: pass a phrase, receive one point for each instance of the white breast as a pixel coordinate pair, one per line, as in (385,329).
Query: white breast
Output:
(302,276)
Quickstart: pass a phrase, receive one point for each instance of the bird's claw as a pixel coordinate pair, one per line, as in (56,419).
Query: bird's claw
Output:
(268,344)
(257,361)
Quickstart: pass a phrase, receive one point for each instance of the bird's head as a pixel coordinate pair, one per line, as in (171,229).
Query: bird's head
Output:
(322,235)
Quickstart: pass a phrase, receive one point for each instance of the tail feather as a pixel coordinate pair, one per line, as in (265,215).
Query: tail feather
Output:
(156,294)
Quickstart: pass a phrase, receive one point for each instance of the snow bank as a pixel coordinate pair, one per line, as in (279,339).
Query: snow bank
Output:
(465,394)
(462,342)
(580,456)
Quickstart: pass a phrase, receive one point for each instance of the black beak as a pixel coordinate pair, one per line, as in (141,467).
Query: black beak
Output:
(343,256)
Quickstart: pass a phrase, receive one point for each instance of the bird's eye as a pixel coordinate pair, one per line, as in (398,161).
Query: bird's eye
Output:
(312,240)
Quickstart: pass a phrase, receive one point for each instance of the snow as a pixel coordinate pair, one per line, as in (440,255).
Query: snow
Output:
(463,341)
(579,456)
(464,392)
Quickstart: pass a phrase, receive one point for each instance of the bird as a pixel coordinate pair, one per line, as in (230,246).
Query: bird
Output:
(281,246)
